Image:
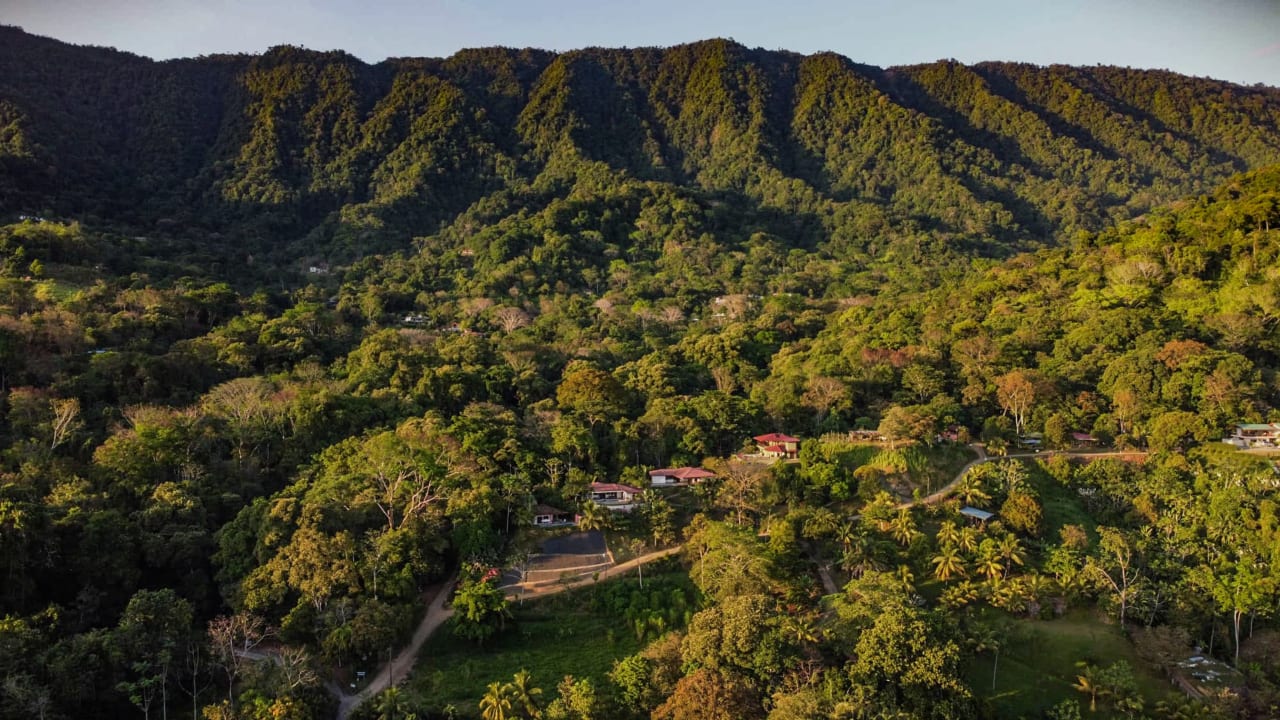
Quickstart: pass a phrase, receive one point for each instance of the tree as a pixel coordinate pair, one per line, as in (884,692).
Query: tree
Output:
(595,516)
(151,641)
(405,480)
(480,609)
(496,704)
(1016,393)
(1114,567)
(948,563)
(908,663)
(1238,588)
(903,527)
(1021,512)
(232,639)
(524,696)
(66,421)
(822,394)
(592,393)
(707,694)
(576,700)
(393,705)
(1089,683)
(906,423)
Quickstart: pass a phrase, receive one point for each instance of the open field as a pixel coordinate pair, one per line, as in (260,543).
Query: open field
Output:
(568,634)
(1037,665)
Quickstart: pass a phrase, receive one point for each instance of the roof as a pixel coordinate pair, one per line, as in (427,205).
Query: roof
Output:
(976,514)
(547,510)
(775,438)
(776,448)
(683,473)
(614,487)
(1258,426)
(1083,437)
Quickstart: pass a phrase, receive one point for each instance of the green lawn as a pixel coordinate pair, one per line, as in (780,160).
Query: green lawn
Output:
(1061,505)
(553,637)
(1038,664)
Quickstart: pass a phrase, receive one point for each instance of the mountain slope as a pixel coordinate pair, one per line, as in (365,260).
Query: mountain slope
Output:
(337,156)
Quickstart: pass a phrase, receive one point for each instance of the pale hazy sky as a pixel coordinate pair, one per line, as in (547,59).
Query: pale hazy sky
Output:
(1236,40)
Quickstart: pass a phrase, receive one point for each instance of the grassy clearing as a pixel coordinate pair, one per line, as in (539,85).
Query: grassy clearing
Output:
(1038,664)
(567,634)
(1061,505)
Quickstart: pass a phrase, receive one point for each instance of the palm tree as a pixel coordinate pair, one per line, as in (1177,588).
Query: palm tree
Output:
(968,540)
(524,695)
(948,533)
(860,556)
(948,563)
(595,516)
(907,578)
(496,703)
(392,705)
(982,638)
(801,629)
(971,489)
(1011,551)
(988,562)
(903,527)
(1090,684)
(846,535)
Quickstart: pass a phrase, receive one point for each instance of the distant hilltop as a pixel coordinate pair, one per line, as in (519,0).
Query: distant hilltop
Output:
(326,150)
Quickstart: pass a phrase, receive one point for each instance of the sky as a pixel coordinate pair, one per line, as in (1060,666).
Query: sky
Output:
(1236,40)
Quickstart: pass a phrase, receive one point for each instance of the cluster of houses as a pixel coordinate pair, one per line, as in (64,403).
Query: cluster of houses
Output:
(777,445)
(620,497)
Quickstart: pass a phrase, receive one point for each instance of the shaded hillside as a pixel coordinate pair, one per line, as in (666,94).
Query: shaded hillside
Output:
(298,152)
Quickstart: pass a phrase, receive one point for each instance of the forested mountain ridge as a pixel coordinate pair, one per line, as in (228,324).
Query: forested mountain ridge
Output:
(310,152)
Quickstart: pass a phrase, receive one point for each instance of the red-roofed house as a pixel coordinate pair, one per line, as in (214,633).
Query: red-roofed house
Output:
(679,476)
(1083,439)
(778,445)
(615,496)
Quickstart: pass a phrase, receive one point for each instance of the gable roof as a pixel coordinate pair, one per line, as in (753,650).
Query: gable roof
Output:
(775,438)
(614,487)
(541,509)
(976,514)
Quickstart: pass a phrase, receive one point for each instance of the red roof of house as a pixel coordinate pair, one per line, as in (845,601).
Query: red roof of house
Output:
(776,448)
(614,487)
(776,438)
(1083,437)
(683,473)
(547,510)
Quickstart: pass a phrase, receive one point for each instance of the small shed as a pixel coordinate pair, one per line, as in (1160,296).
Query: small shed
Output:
(975,515)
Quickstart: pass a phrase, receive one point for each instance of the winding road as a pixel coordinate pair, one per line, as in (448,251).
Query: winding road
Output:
(824,570)
(437,612)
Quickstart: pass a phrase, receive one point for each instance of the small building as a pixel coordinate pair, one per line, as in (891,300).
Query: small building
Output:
(414,319)
(547,516)
(976,516)
(1255,435)
(865,436)
(778,445)
(615,496)
(666,477)
(1080,439)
